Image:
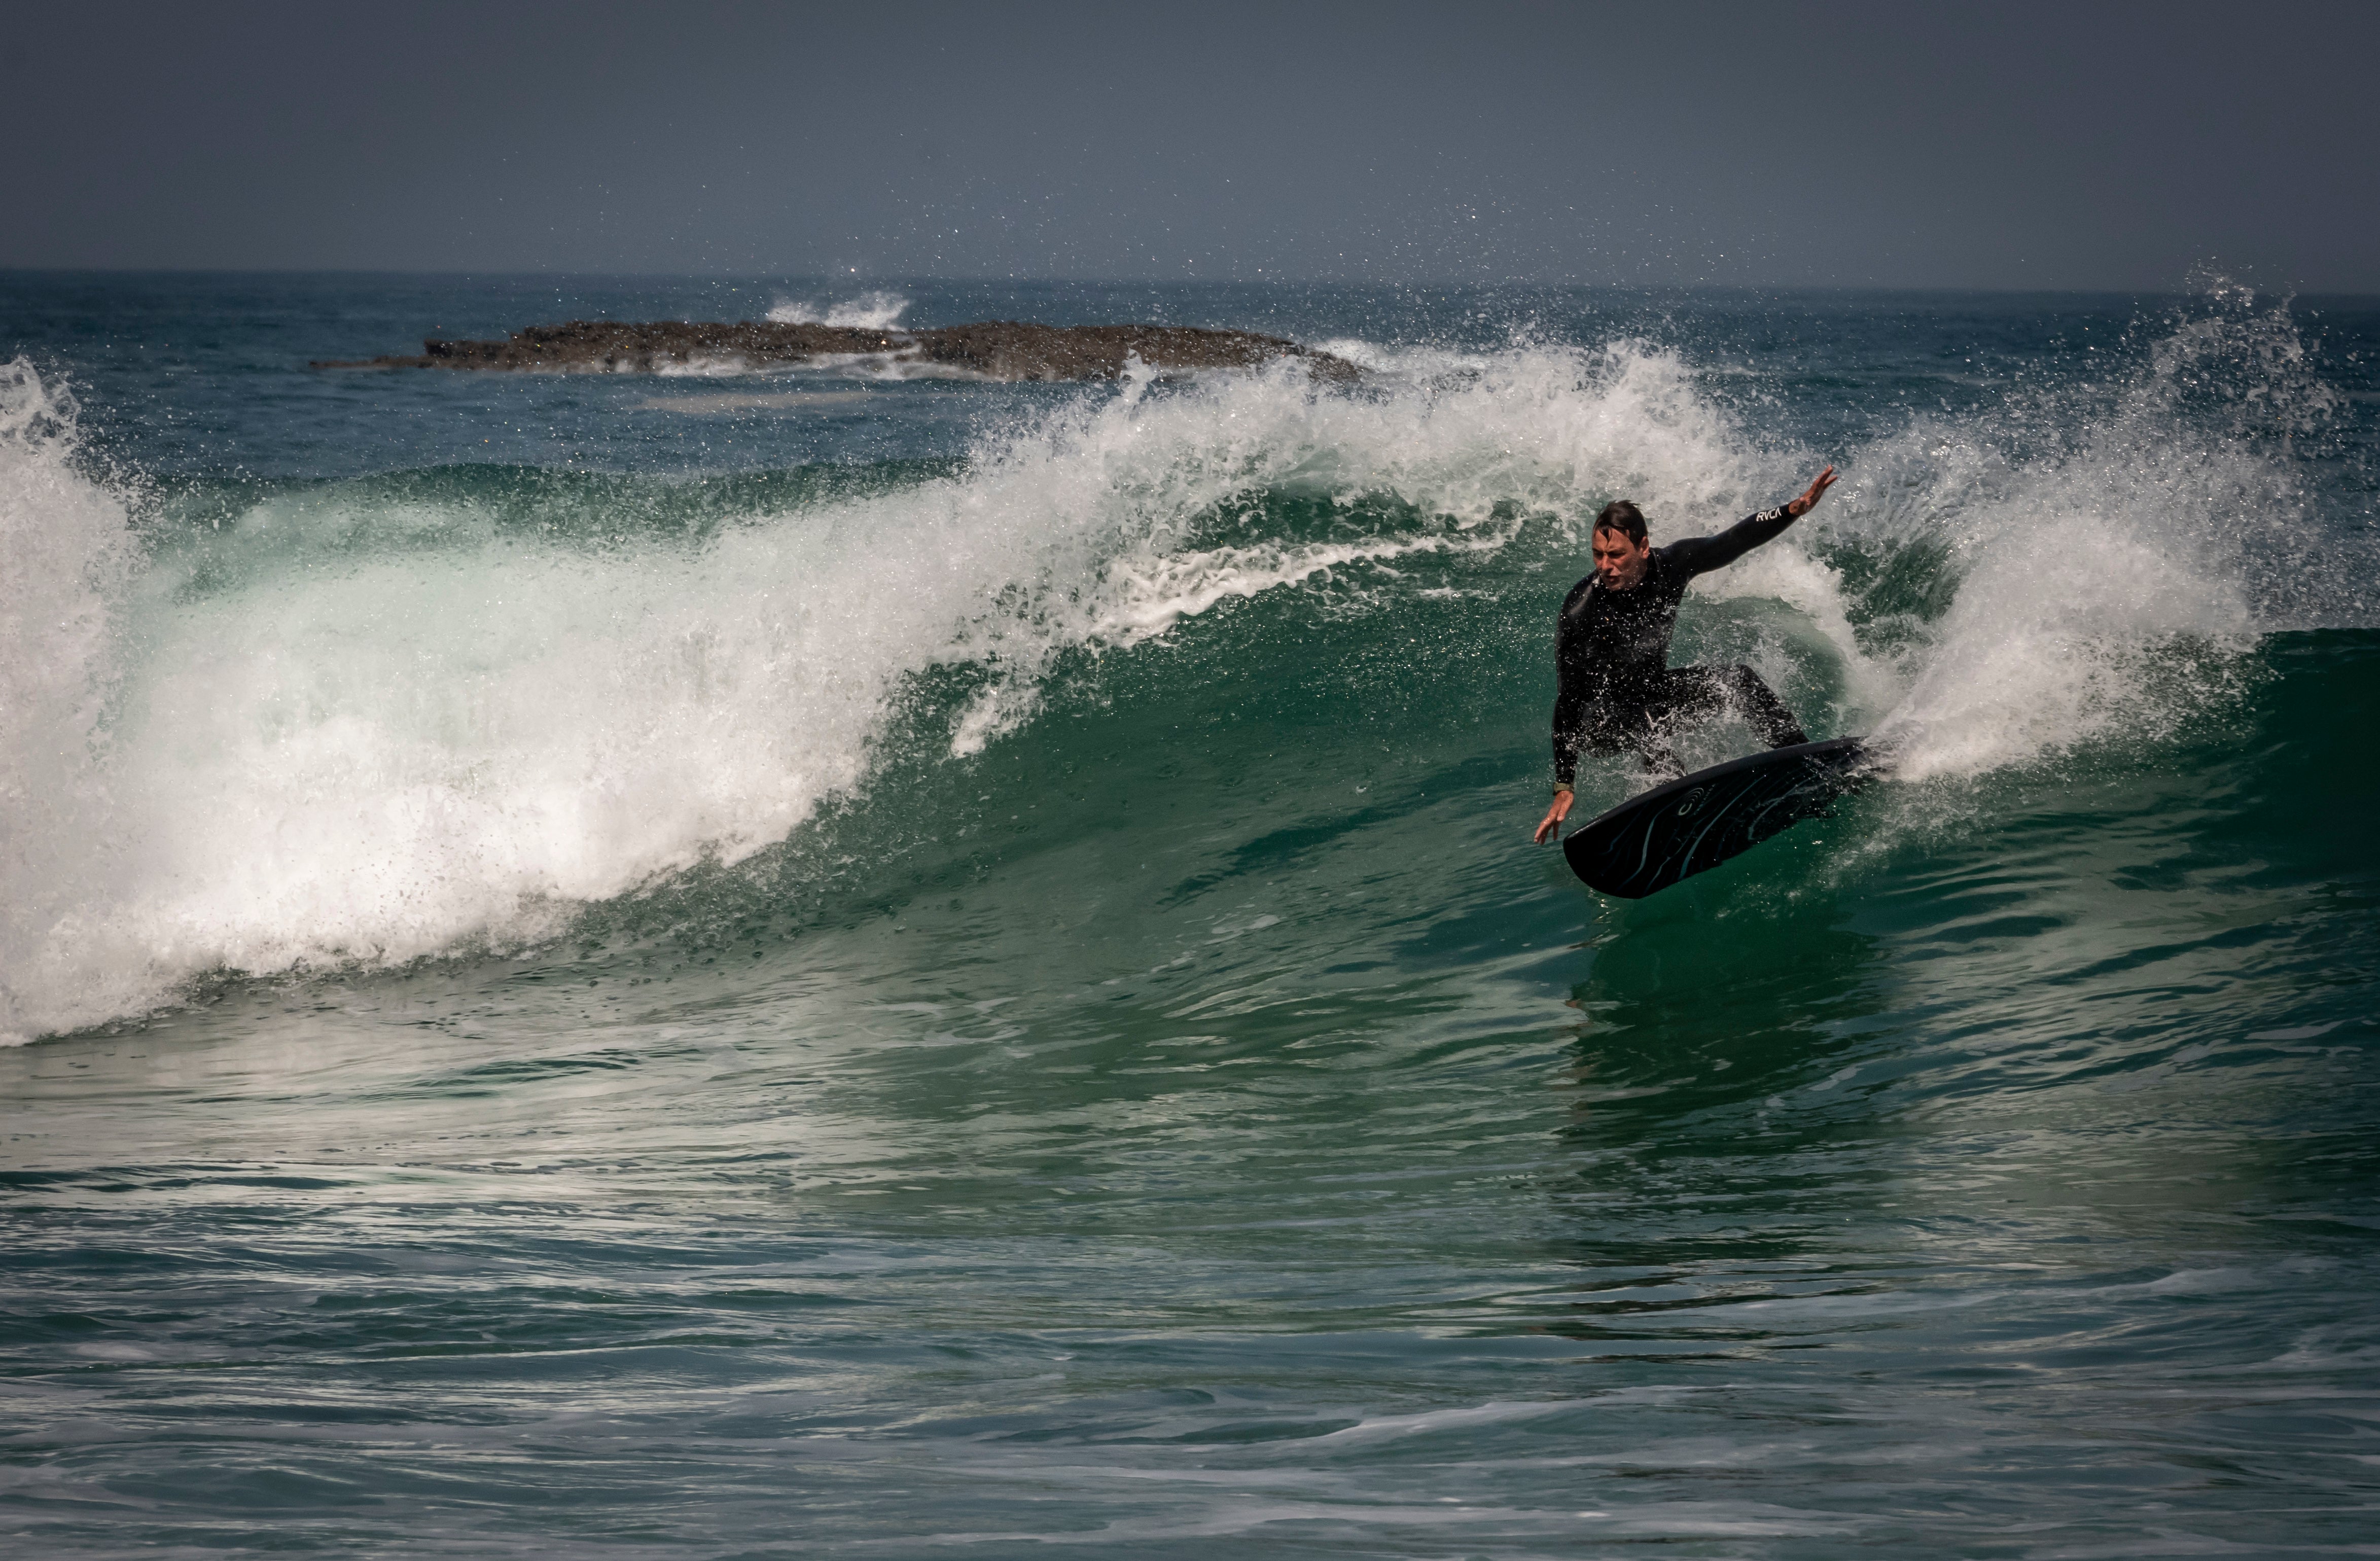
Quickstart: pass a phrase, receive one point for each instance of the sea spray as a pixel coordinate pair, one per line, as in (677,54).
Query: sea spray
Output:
(69,550)
(2109,545)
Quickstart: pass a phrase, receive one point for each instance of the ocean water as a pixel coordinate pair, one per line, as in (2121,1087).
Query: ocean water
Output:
(815,962)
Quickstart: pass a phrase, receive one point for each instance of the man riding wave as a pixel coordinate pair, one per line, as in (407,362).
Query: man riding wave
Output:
(1617,690)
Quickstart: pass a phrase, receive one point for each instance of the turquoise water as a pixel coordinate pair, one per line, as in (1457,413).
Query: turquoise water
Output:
(759,965)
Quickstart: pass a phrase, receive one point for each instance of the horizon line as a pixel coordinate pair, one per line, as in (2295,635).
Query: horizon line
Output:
(883,279)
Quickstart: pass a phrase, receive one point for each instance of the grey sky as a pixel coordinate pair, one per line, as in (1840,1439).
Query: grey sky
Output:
(2013,145)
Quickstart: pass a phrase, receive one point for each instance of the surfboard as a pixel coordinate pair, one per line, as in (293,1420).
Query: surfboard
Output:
(1691,825)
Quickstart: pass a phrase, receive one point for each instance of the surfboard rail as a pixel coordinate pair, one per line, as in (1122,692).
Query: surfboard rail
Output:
(1692,824)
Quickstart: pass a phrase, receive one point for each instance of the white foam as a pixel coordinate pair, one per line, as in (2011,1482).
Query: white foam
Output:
(68,547)
(1406,362)
(893,368)
(878,310)
(2111,560)
(695,366)
(1146,595)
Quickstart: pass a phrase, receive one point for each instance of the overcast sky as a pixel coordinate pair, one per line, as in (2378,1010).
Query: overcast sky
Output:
(2007,145)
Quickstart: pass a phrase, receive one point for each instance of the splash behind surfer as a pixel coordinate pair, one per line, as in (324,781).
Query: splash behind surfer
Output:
(1617,691)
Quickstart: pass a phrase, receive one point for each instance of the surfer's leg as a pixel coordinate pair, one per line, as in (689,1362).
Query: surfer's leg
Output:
(1758,703)
(1610,730)
(1661,763)
(1640,730)
(1703,692)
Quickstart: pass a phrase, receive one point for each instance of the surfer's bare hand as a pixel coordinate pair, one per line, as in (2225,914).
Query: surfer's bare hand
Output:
(1554,815)
(1809,500)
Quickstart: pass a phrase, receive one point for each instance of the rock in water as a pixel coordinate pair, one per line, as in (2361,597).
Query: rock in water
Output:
(996,349)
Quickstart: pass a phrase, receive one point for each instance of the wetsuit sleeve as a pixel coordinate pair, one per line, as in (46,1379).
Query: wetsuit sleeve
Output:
(1699,555)
(1574,700)
(1570,731)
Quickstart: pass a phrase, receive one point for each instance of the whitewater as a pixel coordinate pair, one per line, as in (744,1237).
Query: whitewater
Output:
(918,964)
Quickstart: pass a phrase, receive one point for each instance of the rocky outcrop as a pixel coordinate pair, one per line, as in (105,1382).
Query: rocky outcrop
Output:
(995,349)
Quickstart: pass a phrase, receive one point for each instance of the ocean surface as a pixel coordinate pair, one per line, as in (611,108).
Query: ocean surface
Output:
(818,963)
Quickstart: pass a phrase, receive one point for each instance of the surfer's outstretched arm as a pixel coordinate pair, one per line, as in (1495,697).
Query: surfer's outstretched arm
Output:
(1571,709)
(1699,555)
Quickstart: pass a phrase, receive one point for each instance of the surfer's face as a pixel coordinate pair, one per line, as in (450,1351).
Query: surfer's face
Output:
(1620,563)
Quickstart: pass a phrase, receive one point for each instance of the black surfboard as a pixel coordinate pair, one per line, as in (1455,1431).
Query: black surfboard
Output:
(1687,826)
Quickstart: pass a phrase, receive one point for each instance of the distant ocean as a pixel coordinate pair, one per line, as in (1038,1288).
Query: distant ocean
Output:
(818,963)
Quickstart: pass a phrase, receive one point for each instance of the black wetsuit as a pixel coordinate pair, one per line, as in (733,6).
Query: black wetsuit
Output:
(1611,656)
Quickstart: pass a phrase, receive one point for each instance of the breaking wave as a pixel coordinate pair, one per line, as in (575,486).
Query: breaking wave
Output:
(352,728)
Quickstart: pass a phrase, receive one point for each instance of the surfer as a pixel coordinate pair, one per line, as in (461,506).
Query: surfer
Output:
(1617,690)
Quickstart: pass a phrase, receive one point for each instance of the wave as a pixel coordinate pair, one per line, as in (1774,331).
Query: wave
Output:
(878,310)
(357,724)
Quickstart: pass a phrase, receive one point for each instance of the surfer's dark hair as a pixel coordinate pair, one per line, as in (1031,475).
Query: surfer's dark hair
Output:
(1624,517)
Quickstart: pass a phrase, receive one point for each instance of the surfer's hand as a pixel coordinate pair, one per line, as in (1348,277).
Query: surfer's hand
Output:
(1809,500)
(1554,815)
